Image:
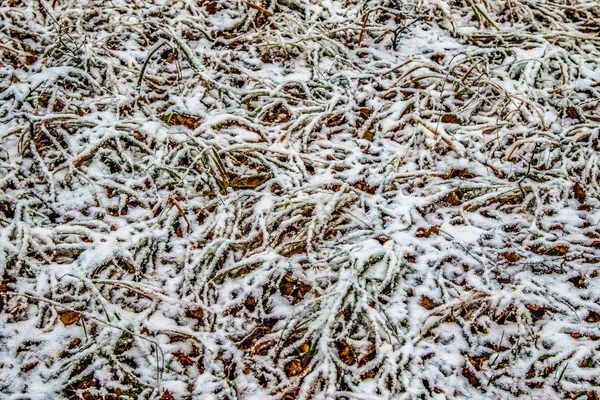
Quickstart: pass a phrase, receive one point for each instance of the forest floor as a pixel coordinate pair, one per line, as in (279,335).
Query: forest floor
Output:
(299,199)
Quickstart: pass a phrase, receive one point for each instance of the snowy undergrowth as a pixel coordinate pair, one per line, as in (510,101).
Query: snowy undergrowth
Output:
(299,199)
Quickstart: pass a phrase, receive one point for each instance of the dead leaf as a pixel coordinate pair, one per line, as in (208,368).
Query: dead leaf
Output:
(382,239)
(459,173)
(425,233)
(438,58)
(511,257)
(536,310)
(427,303)
(556,251)
(197,313)
(293,287)
(592,317)
(293,368)
(365,187)
(578,192)
(452,199)
(470,375)
(477,362)
(179,119)
(212,8)
(573,113)
(277,115)
(369,135)
(167,396)
(70,317)
(451,119)
(578,282)
(335,120)
(345,352)
(183,359)
(587,363)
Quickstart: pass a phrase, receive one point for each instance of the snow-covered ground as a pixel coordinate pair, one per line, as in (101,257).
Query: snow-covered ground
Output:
(299,199)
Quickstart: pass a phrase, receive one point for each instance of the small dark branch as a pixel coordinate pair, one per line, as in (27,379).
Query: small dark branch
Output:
(528,171)
(400,30)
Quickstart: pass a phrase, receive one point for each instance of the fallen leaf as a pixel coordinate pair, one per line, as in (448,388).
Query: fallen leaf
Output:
(293,368)
(578,281)
(536,311)
(427,303)
(425,233)
(470,375)
(197,313)
(345,352)
(438,58)
(70,317)
(167,396)
(555,251)
(511,257)
(578,192)
(459,173)
(183,359)
(451,119)
(573,113)
(477,362)
(592,317)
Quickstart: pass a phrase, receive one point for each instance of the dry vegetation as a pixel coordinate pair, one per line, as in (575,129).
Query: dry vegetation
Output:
(299,199)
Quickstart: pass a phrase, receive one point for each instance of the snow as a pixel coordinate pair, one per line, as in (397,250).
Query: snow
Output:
(290,208)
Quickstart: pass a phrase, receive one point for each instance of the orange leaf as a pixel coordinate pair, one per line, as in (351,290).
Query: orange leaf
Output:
(70,317)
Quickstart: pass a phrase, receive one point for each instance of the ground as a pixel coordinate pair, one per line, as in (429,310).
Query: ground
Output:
(299,199)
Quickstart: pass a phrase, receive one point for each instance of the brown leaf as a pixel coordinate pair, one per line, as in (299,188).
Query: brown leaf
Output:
(277,115)
(425,233)
(410,258)
(178,119)
(197,313)
(345,352)
(365,187)
(365,113)
(452,199)
(555,251)
(578,281)
(470,375)
(249,182)
(70,317)
(367,357)
(369,135)
(293,287)
(592,317)
(511,257)
(578,192)
(459,173)
(438,58)
(573,113)
(183,359)
(212,8)
(167,396)
(293,368)
(536,311)
(587,363)
(477,362)
(451,119)
(335,120)
(382,239)
(427,303)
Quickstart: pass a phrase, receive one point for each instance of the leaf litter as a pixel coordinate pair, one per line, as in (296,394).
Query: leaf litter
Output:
(295,199)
